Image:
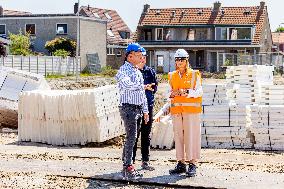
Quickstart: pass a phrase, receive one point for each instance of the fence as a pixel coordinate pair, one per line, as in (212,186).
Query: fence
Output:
(43,65)
(235,59)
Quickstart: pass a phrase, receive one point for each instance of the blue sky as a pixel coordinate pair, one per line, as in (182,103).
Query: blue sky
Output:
(130,10)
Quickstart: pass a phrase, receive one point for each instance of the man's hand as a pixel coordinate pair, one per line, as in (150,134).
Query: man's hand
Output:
(146,117)
(149,87)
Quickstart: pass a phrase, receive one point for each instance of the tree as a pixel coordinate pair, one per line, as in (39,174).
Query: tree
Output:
(20,44)
(61,43)
(280,29)
(2,49)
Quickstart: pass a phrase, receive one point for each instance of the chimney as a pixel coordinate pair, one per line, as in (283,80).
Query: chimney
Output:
(1,11)
(146,8)
(262,5)
(76,8)
(217,6)
(88,7)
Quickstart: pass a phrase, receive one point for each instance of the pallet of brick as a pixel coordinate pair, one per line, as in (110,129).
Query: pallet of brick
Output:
(70,117)
(266,123)
(214,94)
(12,83)
(225,127)
(272,95)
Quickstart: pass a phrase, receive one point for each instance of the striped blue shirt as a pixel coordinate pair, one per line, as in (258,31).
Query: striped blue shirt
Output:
(131,86)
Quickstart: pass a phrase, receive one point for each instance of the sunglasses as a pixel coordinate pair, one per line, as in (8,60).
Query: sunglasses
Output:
(180,59)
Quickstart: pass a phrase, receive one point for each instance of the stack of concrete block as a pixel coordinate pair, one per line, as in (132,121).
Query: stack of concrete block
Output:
(214,94)
(267,125)
(248,78)
(70,117)
(12,83)
(272,95)
(224,126)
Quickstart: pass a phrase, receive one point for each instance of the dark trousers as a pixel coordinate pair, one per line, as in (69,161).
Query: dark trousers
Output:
(131,115)
(145,131)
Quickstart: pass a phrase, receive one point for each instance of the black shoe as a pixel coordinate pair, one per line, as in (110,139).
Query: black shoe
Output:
(129,172)
(191,172)
(146,166)
(180,168)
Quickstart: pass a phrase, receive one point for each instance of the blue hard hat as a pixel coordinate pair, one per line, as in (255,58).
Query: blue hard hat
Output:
(144,53)
(133,47)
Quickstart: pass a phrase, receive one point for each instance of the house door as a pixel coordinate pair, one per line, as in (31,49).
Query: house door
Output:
(212,62)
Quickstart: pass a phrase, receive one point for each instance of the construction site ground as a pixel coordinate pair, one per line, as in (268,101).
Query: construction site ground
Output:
(34,165)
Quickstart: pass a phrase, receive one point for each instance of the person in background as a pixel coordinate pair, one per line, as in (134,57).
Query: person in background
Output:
(186,106)
(133,104)
(150,80)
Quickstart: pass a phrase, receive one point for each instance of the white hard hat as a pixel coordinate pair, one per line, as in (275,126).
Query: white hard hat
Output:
(181,53)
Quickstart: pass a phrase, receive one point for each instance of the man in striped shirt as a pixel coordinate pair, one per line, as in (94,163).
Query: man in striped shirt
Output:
(133,104)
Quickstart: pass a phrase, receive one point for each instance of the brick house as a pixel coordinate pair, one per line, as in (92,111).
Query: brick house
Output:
(204,33)
(118,33)
(46,27)
(278,41)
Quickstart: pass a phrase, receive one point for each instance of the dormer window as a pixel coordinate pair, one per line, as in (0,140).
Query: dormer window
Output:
(173,14)
(124,34)
(199,12)
(107,16)
(247,11)
(222,12)
(158,12)
(96,15)
(109,32)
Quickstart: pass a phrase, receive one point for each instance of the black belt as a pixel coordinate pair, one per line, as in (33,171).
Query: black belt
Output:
(132,105)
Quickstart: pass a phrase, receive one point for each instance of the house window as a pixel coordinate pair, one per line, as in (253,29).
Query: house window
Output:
(221,33)
(31,29)
(109,32)
(108,16)
(124,34)
(148,35)
(110,51)
(159,34)
(160,60)
(240,33)
(61,29)
(118,53)
(244,33)
(2,29)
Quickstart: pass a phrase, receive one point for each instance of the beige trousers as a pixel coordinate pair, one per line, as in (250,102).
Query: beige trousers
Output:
(187,133)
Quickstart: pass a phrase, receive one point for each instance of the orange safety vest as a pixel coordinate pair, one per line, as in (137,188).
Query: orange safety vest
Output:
(180,104)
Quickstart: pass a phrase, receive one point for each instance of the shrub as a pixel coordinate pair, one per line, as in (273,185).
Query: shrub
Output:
(61,43)
(108,71)
(61,52)
(20,44)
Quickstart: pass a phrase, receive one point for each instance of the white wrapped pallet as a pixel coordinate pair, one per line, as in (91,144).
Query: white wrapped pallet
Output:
(63,117)
(162,133)
(12,83)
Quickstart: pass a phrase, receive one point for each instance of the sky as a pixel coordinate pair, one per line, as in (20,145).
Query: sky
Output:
(130,10)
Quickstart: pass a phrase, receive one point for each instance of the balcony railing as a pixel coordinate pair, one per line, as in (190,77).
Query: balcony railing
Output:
(197,42)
